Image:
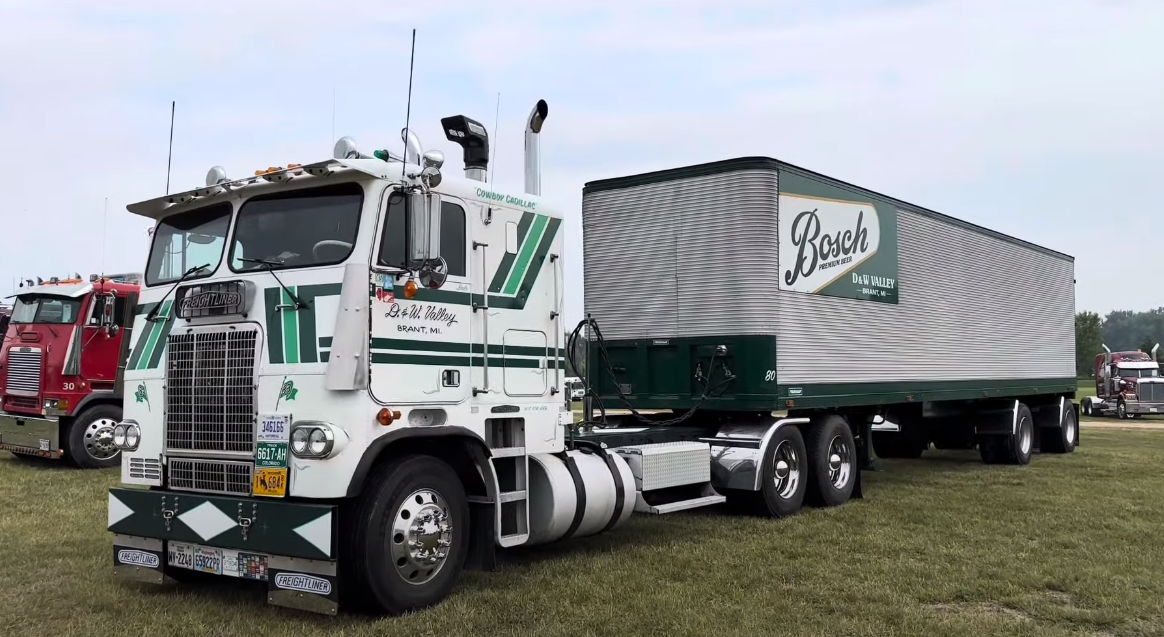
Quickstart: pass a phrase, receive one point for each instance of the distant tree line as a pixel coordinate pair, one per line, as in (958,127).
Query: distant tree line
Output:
(1120,330)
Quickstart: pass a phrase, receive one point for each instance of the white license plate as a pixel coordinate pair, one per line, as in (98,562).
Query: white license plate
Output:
(180,555)
(1152,409)
(208,560)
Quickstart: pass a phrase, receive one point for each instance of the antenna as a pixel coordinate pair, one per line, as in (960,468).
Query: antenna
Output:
(105,231)
(333,114)
(408,107)
(170,155)
(496,123)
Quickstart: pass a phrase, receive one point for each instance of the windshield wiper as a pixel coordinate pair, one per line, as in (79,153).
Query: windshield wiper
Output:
(152,316)
(269,264)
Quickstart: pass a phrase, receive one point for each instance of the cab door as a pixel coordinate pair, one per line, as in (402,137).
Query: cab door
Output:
(421,348)
(100,344)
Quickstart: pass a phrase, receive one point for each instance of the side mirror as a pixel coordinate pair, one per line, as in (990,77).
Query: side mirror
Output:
(424,227)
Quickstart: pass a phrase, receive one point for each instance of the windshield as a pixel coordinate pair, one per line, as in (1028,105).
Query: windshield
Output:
(186,240)
(1139,373)
(51,310)
(298,229)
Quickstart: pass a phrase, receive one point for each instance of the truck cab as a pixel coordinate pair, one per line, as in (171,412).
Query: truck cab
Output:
(1127,384)
(60,369)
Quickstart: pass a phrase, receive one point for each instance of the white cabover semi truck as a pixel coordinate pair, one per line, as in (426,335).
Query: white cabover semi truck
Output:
(359,384)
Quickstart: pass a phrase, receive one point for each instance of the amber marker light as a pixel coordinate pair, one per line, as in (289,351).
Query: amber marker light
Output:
(410,289)
(387,416)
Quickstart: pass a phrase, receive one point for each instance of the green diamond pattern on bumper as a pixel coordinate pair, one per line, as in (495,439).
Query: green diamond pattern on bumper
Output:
(277,528)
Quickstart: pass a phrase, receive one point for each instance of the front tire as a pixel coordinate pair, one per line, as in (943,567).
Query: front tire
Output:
(1121,410)
(832,454)
(409,536)
(88,442)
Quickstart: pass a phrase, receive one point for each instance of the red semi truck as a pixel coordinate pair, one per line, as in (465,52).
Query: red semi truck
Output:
(61,367)
(1127,384)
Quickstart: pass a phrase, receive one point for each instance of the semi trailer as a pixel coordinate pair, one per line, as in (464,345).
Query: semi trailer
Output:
(361,362)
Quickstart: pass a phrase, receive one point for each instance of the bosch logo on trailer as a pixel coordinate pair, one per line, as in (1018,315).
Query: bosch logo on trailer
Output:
(138,558)
(304,583)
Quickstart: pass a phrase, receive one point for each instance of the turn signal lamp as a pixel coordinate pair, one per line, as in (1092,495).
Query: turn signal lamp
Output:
(387,416)
(410,289)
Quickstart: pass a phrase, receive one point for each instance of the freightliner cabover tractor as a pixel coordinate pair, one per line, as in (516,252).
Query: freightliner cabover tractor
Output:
(1127,384)
(61,368)
(355,367)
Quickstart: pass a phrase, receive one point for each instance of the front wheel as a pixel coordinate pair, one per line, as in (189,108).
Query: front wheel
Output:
(409,536)
(89,438)
(1121,410)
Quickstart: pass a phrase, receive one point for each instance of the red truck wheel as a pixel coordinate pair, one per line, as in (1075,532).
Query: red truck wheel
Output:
(89,440)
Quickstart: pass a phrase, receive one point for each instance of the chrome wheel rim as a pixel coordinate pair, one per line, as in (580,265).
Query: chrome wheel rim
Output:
(786,470)
(1070,433)
(99,439)
(1024,437)
(840,462)
(422,535)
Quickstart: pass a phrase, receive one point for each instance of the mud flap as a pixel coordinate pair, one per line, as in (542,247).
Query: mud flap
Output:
(303,584)
(139,559)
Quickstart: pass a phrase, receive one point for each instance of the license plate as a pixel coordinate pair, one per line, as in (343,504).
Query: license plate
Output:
(1152,409)
(180,555)
(208,560)
(270,482)
(271,454)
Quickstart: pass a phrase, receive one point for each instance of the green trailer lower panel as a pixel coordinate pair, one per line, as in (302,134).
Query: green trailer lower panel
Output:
(275,527)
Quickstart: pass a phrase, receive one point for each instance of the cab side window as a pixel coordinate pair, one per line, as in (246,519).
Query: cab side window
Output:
(454,244)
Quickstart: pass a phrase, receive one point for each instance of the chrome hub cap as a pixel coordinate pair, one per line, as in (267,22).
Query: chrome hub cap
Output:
(99,439)
(421,536)
(786,470)
(840,462)
(1070,430)
(1024,437)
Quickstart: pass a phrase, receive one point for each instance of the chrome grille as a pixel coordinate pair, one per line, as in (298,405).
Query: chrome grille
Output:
(210,391)
(210,476)
(24,365)
(145,468)
(1151,393)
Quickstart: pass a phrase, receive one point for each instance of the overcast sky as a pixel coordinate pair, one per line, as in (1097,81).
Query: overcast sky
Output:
(1043,120)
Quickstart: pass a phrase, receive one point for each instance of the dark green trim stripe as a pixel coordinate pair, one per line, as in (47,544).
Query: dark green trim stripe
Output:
(274,326)
(539,258)
(455,361)
(444,346)
(507,260)
(163,341)
(525,254)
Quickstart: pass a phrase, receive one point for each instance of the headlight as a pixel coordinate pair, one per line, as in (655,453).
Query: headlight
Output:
(313,439)
(132,437)
(127,435)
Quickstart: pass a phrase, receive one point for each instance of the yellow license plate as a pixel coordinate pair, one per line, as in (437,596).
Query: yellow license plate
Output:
(270,482)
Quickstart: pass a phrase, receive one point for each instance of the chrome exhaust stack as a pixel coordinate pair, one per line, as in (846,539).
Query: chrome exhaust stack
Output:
(533,167)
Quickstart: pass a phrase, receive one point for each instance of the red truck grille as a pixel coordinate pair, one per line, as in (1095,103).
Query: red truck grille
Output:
(24,365)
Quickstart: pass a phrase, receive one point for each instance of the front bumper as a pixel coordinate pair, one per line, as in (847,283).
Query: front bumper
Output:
(289,545)
(30,435)
(1134,407)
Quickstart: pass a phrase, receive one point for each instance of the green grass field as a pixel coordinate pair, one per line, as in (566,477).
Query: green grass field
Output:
(945,545)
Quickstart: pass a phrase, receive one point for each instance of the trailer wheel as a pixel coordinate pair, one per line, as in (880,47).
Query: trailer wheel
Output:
(1062,439)
(832,456)
(88,443)
(783,479)
(409,536)
(1013,448)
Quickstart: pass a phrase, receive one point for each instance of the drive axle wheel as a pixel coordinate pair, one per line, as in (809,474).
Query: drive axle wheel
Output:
(409,534)
(783,478)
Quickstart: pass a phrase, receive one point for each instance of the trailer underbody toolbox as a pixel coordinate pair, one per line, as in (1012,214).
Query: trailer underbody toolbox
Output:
(167,534)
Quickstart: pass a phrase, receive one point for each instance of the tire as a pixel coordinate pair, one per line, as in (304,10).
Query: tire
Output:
(1013,448)
(383,519)
(1121,410)
(88,443)
(832,461)
(1086,406)
(783,479)
(1062,439)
